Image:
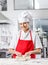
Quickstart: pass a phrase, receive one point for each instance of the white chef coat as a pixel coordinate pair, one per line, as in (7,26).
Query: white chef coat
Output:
(25,36)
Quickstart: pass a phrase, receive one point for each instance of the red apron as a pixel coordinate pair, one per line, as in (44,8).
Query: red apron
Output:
(24,46)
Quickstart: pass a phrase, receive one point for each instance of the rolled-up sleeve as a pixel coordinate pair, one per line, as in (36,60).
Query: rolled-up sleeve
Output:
(38,43)
(14,40)
(13,43)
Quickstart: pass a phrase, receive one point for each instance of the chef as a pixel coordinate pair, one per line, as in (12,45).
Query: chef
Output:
(28,42)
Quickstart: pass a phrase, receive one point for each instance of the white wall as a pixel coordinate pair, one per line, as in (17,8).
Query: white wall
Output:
(11,13)
(10,5)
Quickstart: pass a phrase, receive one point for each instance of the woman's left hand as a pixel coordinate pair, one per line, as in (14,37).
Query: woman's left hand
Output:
(27,53)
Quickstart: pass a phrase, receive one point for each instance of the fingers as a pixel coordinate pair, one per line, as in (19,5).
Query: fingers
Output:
(18,54)
(27,53)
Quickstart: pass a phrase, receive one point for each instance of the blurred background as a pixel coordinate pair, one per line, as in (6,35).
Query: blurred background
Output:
(3,5)
(9,13)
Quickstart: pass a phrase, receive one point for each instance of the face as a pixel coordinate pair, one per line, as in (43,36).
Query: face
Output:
(24,26)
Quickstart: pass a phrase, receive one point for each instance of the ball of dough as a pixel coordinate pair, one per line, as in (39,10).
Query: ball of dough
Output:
(23,58)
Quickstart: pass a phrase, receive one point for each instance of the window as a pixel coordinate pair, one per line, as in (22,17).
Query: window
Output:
(23,4)
(41,4)
(30,4)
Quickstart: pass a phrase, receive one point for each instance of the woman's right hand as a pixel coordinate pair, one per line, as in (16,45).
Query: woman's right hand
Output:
(18,53)
(12,51)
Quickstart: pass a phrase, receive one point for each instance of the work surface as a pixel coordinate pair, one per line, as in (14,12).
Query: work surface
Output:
(5,61)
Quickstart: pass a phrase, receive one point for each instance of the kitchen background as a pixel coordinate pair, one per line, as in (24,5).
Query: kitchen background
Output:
(3,5)
(9,23)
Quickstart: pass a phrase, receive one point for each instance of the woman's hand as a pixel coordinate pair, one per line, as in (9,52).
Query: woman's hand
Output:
(12,51)
(36,51)
(28,53)
(18,53)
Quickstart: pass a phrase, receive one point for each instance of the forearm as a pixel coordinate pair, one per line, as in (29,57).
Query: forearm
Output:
(12,51)
(36,51)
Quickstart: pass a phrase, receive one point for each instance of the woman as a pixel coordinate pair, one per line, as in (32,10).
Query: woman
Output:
(28,41)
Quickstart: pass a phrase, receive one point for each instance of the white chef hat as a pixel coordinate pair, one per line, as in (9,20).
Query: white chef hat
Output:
(25,17)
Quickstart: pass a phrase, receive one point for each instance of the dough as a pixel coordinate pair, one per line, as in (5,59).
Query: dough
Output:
(23,58)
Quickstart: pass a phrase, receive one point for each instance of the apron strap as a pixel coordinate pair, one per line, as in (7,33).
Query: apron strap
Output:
(30,34)
(20,35)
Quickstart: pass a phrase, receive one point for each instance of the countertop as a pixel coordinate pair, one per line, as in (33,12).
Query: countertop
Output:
(10,61)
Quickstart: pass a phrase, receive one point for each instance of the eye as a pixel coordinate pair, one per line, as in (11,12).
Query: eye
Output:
(24,23)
